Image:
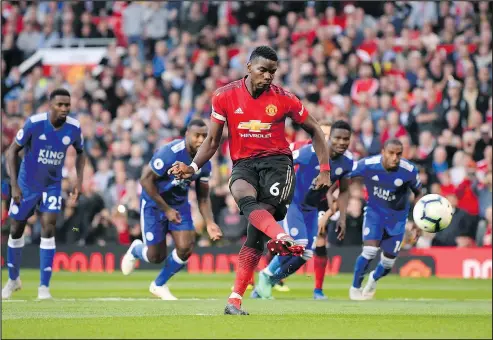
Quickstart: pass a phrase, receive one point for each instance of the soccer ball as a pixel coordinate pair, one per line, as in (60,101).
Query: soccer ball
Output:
(432,213)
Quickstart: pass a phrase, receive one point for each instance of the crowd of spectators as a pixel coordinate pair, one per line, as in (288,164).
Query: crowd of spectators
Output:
(417,70)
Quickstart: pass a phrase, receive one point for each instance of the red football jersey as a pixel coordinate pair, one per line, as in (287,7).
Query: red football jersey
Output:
(256,126)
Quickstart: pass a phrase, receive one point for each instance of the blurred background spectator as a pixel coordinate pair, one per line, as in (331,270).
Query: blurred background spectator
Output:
(418,71)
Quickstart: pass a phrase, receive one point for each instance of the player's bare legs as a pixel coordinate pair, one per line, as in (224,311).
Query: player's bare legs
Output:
(155,253)
(370,250)
(14,256)
(46,253)
(184,243)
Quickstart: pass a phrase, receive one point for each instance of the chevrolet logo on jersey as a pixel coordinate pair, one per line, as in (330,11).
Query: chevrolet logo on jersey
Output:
(254,126)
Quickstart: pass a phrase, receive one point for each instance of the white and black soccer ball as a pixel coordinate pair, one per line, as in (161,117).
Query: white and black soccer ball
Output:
(433,213)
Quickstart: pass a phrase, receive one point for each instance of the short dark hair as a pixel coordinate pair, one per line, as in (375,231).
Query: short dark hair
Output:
(196,122)
(393,141)
(341,124)
(263,52)
(59,92)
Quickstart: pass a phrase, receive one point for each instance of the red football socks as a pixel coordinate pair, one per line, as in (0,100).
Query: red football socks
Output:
(320,263)
(248,260)
(265,222)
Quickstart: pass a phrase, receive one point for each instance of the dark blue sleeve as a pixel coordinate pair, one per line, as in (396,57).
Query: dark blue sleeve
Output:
(303,155)
(415,183)
(347,169)
(24,134)
(162,160)
(359,169)
(79,141)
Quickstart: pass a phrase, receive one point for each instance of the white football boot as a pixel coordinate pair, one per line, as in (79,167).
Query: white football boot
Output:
(129,261)
(10,287)
(161,292)
(44,293)
(356,294)
(370,287)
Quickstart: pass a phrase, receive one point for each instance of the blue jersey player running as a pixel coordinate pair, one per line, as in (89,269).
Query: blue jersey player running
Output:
(302,217)
(164,208)
(45,138)
(388,178)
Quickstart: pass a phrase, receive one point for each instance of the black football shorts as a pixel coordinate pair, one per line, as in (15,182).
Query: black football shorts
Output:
(272,176)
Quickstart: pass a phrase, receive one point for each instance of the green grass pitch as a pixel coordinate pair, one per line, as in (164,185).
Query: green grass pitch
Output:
(88,305)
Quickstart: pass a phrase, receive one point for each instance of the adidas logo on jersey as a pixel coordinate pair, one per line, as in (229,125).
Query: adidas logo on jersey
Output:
(50,157)
(239,111)
(375,178)
(42,137)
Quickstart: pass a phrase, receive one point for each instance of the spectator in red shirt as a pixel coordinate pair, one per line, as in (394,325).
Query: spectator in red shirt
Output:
(394,129)
(365,84)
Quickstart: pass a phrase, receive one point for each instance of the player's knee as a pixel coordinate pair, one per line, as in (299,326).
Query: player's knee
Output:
(184,252)
(241,188)
(369,252)
(48,227)
(48,231)
(387,261)
(155,257)
(247,205)
(16,231)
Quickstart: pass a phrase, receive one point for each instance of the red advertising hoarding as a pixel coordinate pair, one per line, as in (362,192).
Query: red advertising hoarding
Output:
(439,262)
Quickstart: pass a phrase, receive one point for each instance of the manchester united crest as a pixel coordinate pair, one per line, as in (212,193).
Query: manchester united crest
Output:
(271,110)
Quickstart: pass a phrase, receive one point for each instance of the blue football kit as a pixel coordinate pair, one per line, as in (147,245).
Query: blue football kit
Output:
(388,200)
(40,181)
(302,218)
(154,223)
(40,173)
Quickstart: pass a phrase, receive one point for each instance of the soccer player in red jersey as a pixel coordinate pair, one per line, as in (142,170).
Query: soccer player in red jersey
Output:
(262,179)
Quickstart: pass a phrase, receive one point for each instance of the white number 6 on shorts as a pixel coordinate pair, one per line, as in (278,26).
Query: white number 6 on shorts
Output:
(274,190)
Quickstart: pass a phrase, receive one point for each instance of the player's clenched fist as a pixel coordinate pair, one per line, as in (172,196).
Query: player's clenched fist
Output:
(181,170)
(173,216)
(16,194)
(323,180)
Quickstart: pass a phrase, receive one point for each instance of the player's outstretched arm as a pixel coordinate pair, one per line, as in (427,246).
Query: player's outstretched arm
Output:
(147,180)
(206,151)
(12,167)
(205,208)
(321,148)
